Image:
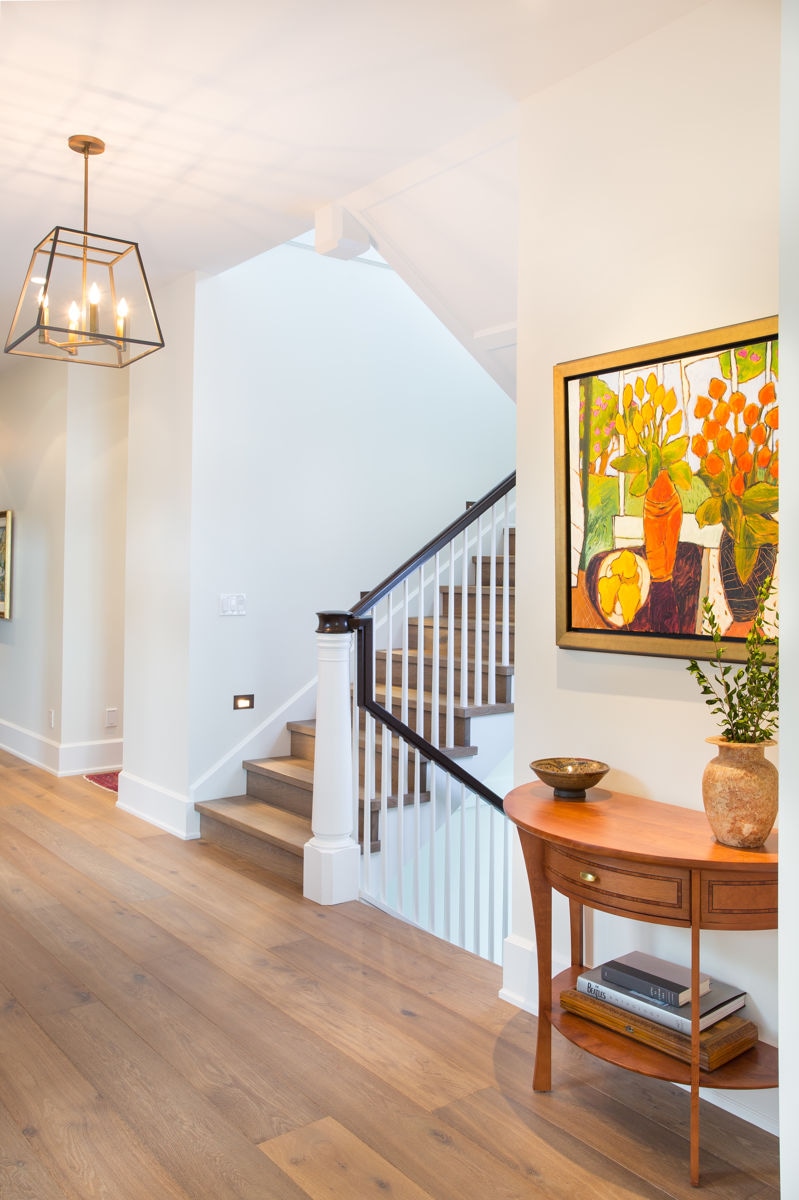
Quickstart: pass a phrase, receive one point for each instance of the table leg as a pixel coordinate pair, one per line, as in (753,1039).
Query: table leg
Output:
(577,930)
(541,894)
(696,917)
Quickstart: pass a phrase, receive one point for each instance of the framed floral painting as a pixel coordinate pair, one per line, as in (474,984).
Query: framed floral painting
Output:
(667,467)
(5,564)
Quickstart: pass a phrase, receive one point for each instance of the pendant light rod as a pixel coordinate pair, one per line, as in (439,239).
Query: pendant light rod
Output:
(83,144)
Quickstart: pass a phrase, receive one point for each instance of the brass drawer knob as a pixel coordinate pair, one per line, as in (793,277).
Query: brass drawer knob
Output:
(587,877)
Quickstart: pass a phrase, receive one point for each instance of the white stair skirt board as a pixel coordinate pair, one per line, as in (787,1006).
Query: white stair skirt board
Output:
(158,806)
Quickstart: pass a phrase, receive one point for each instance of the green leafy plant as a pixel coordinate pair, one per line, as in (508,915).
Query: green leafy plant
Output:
(745,701)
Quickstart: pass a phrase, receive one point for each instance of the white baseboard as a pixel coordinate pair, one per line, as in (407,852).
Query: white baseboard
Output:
(158,806)
(60,758)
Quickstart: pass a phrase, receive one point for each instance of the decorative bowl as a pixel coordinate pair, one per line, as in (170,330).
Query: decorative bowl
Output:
(569,776)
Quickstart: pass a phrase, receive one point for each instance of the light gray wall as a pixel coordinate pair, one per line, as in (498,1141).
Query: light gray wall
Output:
(314,428)
(649,210)
(62,472)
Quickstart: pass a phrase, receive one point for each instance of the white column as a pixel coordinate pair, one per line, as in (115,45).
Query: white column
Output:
(331,864)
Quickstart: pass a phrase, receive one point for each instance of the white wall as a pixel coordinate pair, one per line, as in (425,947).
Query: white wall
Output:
(789,576)
(648,207)
(155,777)
(62,473)
(339,426)
(314,428)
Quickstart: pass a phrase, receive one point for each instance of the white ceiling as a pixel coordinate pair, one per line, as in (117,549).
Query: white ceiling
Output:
(228,125)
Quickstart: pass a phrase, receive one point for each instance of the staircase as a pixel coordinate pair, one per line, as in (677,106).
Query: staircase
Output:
(271,823)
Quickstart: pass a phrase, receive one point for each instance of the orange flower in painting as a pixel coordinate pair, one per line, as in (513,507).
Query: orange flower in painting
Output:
(738,449)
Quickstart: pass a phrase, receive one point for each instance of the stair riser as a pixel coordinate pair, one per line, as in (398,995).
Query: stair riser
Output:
(485,570)
(282,795)
(471,607)
(456,643)
(462,725)
(272,858)
(502,682)
(303,744)
(394,783)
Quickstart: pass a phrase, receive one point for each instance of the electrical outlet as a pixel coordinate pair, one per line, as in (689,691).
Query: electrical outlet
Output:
(233,604)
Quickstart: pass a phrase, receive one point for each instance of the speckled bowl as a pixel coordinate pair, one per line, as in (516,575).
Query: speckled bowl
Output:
(569,776)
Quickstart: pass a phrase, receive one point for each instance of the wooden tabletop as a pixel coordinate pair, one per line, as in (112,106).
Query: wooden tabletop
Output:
(624,826)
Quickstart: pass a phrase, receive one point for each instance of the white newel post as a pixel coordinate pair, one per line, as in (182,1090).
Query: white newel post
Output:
(331,863)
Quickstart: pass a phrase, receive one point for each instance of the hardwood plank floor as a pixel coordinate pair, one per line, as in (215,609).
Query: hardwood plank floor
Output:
(178,1024)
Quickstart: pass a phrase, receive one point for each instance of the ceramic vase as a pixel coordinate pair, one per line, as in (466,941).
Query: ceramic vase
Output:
(739,790)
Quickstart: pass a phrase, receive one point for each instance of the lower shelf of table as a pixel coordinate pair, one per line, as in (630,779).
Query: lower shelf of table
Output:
(755,1068)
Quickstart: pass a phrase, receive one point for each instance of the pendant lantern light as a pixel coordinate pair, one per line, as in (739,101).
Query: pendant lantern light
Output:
(86,297)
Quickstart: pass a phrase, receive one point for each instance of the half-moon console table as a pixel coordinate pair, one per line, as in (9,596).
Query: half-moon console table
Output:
(652,862)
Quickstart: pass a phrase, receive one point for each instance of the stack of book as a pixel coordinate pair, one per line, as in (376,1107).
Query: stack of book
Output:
(649,1000)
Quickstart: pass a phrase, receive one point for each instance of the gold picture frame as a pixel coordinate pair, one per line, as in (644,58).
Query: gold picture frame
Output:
(5,564)
(679,434)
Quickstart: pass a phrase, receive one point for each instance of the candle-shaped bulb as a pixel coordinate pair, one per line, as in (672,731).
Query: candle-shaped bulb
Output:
(94,302)
(122,318)
(44,304)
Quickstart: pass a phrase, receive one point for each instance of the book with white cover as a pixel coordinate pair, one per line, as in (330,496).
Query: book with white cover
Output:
(720,1001)
(653,977)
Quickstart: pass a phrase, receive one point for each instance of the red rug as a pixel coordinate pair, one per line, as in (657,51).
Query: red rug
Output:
(106,779)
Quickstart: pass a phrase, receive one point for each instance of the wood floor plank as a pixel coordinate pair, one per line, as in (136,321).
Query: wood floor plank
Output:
(23,1174)
(416,1142)
(326,1160)
(206,1155)
(41,960)
(169,1008)
(549,1159)
(81,1139)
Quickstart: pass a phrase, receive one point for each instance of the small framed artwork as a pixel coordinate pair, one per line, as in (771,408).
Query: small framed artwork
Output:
(5,564)
(667,489)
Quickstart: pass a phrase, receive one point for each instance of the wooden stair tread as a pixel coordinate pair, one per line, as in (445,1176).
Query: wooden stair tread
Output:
(286,768)
(259,820)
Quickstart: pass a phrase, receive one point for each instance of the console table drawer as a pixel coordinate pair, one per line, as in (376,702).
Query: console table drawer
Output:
(738,901)
(620,885)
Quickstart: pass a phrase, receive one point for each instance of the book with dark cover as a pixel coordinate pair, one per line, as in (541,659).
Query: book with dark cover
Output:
(653,977)
(720,1001)
(718,1044)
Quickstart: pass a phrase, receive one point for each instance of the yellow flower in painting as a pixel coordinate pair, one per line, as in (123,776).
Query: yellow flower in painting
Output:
(650,424)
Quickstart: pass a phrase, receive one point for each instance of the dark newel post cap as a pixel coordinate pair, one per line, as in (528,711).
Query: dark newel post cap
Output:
(334,622)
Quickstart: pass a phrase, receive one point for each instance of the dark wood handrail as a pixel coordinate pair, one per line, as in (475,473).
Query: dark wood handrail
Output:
(363,627)
(438,543)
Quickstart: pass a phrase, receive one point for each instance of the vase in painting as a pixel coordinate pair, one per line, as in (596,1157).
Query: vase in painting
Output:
(742,597)
(662,524)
